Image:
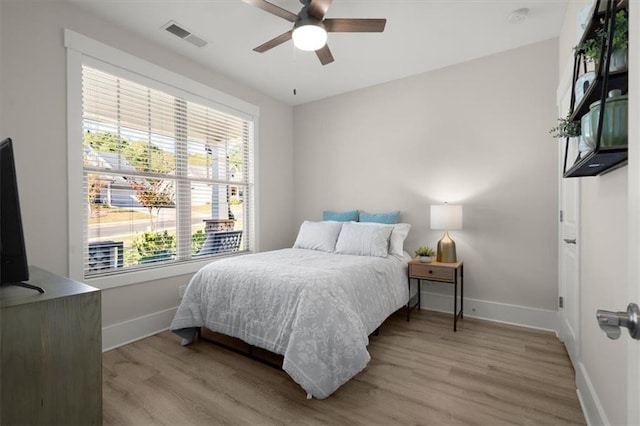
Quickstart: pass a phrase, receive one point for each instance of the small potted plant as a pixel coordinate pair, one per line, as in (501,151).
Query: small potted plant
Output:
(572,129)
(425,253)
(620,41)
(566,128)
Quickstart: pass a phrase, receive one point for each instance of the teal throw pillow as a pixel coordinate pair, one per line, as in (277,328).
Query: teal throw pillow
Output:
(390,218)
(349,216)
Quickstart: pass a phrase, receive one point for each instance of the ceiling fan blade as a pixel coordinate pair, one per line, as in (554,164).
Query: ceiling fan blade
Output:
(347,25)
(274,42)
(318,8)
(325,55)
(273,9)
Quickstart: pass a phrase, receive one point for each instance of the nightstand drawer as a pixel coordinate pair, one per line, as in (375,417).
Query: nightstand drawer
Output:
(431,272)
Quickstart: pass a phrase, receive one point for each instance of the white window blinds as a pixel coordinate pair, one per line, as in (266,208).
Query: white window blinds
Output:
(166,179)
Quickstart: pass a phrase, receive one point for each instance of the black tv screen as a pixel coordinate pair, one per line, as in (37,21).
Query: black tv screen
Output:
(13,256)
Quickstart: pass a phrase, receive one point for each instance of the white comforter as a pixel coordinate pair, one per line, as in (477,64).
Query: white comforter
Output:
(315,308)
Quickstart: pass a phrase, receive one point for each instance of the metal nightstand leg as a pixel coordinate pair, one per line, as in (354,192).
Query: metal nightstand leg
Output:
(409,301)
(455,298)
(455,301)
(409,307)
(461,290)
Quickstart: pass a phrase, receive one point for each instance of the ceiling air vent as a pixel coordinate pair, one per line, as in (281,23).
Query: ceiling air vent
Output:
(178,30)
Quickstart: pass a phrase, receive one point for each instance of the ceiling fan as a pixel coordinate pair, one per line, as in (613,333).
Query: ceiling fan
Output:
(310,28)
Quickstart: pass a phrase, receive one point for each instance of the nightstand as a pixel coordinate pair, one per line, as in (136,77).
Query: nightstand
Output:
(439,272)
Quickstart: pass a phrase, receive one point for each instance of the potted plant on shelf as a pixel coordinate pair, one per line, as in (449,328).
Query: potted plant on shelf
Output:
(566,128)
(591,47)
(571,129)
(425,254)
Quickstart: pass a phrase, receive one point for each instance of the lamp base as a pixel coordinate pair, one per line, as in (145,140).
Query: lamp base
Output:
(446,249)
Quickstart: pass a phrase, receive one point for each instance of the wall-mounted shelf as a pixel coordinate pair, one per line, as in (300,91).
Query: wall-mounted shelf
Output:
(602,159)
(596,15)
(599,162)
(617,80)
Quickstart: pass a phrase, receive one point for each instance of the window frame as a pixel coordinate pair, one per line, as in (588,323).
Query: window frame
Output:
(84,50)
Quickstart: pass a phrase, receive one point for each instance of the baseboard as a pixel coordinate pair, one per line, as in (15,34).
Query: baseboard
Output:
(592,409)
(129,331)
(524,316)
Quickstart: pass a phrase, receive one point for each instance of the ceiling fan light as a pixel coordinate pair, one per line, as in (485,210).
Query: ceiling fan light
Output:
(309,37)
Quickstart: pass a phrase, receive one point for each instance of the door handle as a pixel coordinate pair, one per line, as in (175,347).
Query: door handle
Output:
(570,240)
(610,322)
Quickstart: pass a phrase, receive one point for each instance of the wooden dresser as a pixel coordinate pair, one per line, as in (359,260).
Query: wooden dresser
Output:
(51,350)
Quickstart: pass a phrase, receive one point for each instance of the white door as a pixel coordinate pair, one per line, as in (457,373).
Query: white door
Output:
(569,252)
(633,200)
(628,380)
(633,351)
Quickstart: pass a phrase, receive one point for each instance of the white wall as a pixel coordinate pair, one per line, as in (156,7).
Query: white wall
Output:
(603,275)
(32,84)
(474,133)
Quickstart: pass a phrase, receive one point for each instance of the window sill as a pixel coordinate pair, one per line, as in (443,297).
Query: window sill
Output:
(139,276)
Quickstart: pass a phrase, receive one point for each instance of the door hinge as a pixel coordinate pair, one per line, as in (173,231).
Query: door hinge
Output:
(561,216)
(561,302)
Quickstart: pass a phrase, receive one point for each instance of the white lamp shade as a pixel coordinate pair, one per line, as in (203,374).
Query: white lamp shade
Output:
(447,216)
(309,37)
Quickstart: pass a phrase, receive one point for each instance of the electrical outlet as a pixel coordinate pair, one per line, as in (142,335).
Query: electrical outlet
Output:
(181,291)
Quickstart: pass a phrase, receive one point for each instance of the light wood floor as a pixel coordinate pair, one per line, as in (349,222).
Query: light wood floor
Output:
(421,372)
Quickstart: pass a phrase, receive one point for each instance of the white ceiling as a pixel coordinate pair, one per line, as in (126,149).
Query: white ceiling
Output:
(421,35)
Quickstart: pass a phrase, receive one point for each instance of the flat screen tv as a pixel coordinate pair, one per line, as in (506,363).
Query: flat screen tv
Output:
(14,269)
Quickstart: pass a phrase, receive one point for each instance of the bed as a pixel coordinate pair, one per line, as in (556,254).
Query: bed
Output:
(315,304)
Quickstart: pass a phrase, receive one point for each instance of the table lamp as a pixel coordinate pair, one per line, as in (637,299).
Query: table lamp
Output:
(446,217)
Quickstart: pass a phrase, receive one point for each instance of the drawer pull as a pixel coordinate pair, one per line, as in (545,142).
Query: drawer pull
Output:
(430,271)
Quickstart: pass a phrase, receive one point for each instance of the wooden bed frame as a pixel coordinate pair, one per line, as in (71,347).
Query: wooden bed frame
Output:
(243,348)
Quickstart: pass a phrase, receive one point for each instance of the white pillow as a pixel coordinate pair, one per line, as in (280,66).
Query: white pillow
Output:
(318,235)
(364,239)
(396,242)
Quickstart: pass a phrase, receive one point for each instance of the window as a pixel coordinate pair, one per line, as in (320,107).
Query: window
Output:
(167,176)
